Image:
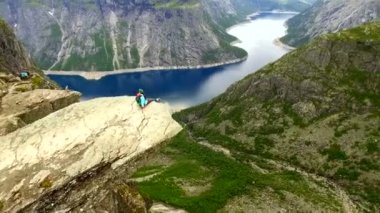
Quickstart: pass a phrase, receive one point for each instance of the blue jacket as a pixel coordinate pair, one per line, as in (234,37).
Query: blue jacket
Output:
(143,101)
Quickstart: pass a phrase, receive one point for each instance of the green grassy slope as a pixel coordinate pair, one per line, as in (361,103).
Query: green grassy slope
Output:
(191,176)
(317,108)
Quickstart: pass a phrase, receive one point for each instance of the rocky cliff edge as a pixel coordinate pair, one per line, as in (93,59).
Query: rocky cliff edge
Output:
(52,151)
(18,110)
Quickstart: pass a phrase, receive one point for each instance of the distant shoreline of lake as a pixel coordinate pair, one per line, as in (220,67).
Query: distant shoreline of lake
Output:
(97,75)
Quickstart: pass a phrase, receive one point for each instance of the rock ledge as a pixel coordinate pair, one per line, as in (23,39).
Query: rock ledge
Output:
(50,152)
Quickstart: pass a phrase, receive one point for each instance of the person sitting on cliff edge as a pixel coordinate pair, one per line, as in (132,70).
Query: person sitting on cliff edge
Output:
(142,101)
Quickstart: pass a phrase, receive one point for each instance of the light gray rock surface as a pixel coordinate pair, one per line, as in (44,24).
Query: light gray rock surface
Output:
(20,109)
(52,151)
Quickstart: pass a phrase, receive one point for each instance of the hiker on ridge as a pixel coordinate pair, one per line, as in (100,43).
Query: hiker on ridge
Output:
(142,101)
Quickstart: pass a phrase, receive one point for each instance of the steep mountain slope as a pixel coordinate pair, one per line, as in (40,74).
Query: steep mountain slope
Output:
(108,35)
(20,102)
(330,16)
(317,108)
(13,58)
(12,55)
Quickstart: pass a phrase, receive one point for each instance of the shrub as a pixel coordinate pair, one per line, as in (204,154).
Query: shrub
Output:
(46,183)
(335,153)
(348,174)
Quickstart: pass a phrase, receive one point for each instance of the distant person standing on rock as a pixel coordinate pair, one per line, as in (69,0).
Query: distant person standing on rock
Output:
(142,101)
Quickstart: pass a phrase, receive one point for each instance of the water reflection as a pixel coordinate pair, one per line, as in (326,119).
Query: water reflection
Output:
(190,87)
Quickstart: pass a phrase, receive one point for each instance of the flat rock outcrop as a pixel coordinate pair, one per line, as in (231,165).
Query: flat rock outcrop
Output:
(52,151)
(20,109)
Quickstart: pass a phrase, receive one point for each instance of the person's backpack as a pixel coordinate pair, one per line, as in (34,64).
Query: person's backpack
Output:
(138,97)
(24,75)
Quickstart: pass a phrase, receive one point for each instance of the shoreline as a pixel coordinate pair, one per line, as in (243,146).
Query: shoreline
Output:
(97,75)
(279,43)
(254,15)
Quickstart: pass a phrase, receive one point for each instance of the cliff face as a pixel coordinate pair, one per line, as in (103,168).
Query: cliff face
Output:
(20,101)
(12,55)
(14,58)
(109,35)
(316,108)
(70,145)
(330,16)
(18,110)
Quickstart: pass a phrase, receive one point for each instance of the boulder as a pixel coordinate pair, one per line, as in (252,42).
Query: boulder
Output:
(46,155)
(22,86)
(6,77)
(306,110)
(27,107)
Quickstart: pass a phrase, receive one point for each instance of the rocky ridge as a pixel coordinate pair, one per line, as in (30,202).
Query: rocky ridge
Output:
(327,16)
(46,155)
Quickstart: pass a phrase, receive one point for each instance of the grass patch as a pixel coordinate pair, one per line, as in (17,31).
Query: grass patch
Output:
(368,165)
(372,194)
(37,81)
(262,145)
(297,120)
(214,137)
(372,146)
(231,178)
(228,177)
(175,4)
(334,152)
(46,183)
(270,129)
(348,174)
(146,171)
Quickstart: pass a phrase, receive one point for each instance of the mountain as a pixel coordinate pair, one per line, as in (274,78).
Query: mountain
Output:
(110,35)
(25,101)
(14,58)
(330,16)
(317,108)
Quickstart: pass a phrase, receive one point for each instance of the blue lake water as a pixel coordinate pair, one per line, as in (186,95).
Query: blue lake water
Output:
(193,86)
